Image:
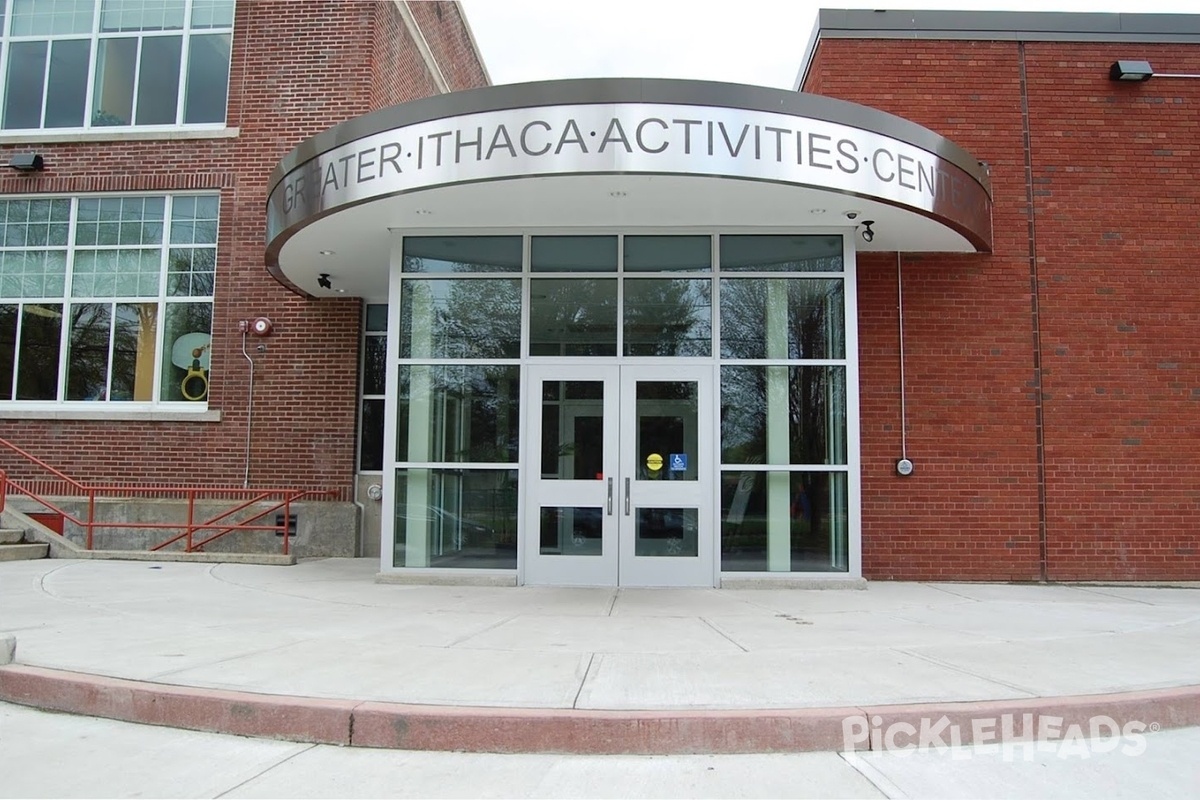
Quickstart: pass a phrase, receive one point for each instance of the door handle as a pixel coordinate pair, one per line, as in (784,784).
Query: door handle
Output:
(627,497)
(610,497)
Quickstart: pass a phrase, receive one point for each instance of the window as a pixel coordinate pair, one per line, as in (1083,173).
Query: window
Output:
(106,299)
(89,64)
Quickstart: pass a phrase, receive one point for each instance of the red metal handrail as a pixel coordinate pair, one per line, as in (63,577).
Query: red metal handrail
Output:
(282,498)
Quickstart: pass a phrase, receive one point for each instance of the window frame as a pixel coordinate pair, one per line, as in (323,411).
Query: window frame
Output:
(162,299)
(186,33)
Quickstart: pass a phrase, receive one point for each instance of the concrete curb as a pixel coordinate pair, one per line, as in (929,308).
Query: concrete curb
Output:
(585,732)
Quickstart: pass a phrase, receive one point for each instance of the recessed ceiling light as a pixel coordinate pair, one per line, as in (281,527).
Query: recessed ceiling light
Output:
(816,211)
(340,290)
(328,252)
(424,212)
(616,194)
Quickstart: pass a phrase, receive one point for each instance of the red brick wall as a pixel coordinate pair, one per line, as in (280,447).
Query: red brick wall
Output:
(1118,311)
(297,69)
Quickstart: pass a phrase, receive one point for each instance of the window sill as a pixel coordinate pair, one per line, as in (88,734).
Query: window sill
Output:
(115,415)
(122,135)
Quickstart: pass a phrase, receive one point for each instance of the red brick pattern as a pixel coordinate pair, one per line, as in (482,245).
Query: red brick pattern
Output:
(1118,310)
(297,69)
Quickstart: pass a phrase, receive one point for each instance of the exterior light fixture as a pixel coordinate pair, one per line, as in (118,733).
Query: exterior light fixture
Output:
(1140,71)
(1130,71)
(868,234)
(323,281)
(27,162)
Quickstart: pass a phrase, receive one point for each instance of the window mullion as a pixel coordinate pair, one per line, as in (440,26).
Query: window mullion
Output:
(161,332)
(137,79)
(112,335)
(68,289)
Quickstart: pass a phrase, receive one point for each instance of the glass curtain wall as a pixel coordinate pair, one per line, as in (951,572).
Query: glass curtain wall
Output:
(778,341)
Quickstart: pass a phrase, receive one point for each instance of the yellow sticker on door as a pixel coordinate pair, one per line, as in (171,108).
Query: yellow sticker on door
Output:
(654,462)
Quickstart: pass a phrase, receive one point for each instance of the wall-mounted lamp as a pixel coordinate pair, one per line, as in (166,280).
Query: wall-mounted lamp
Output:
(1140,71)
(323,281)
(868,234)
(27,162)
(1130,71)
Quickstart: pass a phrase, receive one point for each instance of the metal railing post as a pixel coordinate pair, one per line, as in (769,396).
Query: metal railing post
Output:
(91,519)
(3,489)
(191,518)
(287,521)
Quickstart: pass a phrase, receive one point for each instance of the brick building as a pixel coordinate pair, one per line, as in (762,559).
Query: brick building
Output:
(628,332)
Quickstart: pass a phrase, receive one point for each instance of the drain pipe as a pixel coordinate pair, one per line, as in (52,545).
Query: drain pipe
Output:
(249,407)
(904,467)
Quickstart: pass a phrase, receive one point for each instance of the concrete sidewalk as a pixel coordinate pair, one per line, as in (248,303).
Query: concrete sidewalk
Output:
(325,629)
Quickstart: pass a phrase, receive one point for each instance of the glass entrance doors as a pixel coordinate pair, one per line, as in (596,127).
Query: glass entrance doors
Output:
(623,487)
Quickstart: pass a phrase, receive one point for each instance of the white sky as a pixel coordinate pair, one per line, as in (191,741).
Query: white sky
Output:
(750,41)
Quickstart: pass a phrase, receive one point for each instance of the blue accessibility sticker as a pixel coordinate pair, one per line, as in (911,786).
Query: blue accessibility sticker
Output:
(678,462)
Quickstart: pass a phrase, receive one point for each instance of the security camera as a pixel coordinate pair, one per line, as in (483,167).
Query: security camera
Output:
(852,215)
(323,281)
(868,234)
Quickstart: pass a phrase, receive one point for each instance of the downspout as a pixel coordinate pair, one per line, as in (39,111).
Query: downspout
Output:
(1035,318)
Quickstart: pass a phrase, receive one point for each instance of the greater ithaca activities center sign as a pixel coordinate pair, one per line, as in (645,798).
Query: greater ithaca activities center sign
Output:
(630,138)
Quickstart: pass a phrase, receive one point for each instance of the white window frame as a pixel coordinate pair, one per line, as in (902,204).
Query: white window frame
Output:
(94,38)
(162,299)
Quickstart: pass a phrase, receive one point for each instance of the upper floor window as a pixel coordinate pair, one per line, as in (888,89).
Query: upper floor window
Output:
(89,64)
(107,299)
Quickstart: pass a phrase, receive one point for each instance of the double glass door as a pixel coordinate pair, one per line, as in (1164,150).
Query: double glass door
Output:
(620,488)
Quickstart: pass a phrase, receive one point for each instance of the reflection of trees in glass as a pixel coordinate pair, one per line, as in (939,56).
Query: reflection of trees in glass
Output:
(668,317)
(133,351)
(87,362)
(815,318)
(462,318)
(816,414)
(573,317)
(37,361)
(8,348)
(474,413)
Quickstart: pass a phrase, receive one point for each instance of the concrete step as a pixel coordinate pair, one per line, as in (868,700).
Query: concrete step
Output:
(11,535)
(23,552)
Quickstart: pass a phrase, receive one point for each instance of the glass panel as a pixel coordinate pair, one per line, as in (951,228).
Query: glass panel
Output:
(667,431)
(141,15)
(377,318)
(190,272)
(212,13)
(158,80)
(456,518)
(8,348)
(668,253)
(37,359)
(113,94)
(783,522)
(443,255)
(371,442)
(207,79)
(87,359)
(456,414)
(671,532)
(134,344)
(781,253)
(571,531)
(573,430)
(41,18)
(66,94)
(783,415)
(186,356)
(573,317)
(26,78)
(460,319)
(573,254)
(32,273)
(374,364)
(668,317)
(782,318)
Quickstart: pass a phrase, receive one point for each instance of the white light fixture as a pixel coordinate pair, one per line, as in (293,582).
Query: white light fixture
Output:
(816,211)
(423,212)
(327,252)
(616,194)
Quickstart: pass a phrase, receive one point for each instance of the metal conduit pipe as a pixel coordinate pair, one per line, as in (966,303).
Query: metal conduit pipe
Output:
(249,410)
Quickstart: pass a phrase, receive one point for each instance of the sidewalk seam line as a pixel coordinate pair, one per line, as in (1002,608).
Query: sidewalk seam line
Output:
(720,632)
(936,662)
(586,672)
(265,769)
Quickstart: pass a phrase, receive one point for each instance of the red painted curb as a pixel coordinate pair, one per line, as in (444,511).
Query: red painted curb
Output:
(584,732)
